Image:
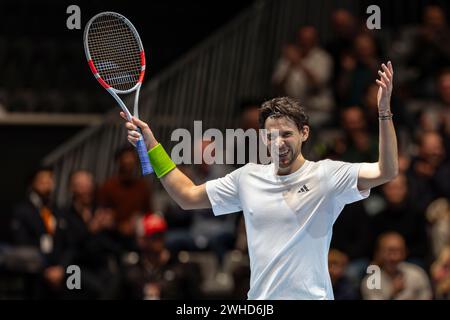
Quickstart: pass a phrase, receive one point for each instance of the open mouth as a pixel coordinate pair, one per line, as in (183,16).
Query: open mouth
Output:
(283,153)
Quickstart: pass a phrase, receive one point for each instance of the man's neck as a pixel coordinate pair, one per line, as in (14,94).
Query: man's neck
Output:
(297,164)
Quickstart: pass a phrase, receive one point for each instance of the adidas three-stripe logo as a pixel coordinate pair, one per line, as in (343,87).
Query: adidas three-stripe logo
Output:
(303,189)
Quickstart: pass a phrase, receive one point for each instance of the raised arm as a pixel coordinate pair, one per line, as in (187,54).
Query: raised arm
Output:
(386,169)
(180,188)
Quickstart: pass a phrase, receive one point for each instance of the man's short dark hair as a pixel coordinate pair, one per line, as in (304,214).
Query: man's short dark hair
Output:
(283,107)
(34,173)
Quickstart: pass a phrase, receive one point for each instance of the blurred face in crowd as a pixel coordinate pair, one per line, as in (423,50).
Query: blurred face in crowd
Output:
(353,119)
(432,148)
(343,23)
(337,263)
(82,187)
(391,251)
(152,244)
(364,47)
(128,163)
(307,38)
(43,183)
(287,144)
(434,17)
(249,118)
(444,87)
(396,190)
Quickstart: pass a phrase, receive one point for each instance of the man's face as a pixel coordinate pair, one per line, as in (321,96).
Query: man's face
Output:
(307,38)
(353,119)
(432,148)
(128,162)
(43,183)
(396,190)
(337,264)
(82,186)
(284,140)
(391,252)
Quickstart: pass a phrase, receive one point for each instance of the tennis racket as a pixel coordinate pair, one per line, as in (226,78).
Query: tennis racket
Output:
(116,57)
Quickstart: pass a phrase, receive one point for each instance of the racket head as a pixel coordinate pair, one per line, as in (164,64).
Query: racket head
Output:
(114,52)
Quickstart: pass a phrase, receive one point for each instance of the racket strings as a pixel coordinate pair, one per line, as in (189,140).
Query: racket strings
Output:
(115,51)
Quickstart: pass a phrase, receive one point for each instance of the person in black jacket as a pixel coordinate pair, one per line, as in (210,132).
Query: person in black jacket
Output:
(403,216)
(91,244)
(37,223)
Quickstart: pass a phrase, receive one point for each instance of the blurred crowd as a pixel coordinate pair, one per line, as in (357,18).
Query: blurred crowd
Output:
(132,242)
(404,227)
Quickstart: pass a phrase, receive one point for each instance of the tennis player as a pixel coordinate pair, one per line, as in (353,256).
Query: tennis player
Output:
(289,209)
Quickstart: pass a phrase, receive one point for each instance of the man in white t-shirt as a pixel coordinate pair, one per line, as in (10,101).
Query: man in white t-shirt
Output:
(290,205)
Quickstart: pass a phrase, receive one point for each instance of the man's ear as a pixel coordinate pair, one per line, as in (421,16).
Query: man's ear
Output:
(305,133)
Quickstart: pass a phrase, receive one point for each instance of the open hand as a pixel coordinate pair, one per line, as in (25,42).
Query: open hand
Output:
(385,91)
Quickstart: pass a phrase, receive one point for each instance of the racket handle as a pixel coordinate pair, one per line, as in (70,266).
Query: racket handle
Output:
(143,157)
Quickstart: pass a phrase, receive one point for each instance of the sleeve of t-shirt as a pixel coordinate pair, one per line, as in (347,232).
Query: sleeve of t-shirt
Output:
(342,180)
(223,193)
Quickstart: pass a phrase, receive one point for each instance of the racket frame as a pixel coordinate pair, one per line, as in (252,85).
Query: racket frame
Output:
(146,167)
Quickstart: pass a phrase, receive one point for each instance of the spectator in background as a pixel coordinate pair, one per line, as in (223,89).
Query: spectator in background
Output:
(438,216)
(304,72)
(90,245)
(342,286)
(352,235)
(435,116)
(401,215)
(206,231)
(400,280)
(158,274)
(359,145)
(358,70)
(431,50)
(127,194)
(248,120)
(440,273)
(345,28)
(429,174)
(37,223)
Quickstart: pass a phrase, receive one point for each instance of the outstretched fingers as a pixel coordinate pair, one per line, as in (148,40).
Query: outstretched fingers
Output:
(381,84)
(384,77)
(391,69)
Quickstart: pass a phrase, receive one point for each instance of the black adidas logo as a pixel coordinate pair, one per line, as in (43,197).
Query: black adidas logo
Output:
(303,189)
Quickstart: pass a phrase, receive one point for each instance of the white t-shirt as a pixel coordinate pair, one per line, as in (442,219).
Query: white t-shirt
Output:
(289,222)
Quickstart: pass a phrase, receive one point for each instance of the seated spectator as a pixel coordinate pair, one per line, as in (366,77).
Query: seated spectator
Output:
(435,116)
(401,215)
(90,244)
(342,286)
(399,280)
(440,273)
(304,72)
(352,235)
(127,193)
(359,70)
(359,145)
(438,216)
(344,28)
(37,223)
(158,274)
(206,231)
(428,174)
(431,50)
